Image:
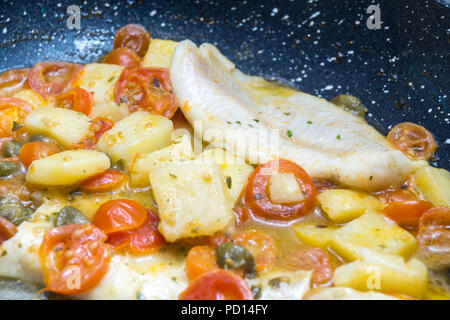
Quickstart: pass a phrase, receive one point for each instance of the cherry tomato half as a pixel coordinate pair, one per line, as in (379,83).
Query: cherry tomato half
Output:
(413,140)
(134,37)
(256,195)
(76,99)
(37,150)
(407,213)
(434,231)
(104,182)
(12,110)
(74,258)
(13,80)
(217,285)
(123,57)
(49,78)
(315,259)
(143,240)
(146,89)
(200,260)
(98,127)
(7,230)
(120,215)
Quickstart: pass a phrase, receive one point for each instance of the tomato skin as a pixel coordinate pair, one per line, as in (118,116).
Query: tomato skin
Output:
(13,80)
(407,213)
(123,57)
(256,194)
(146,89)
(7,230)
(104,182)
(395,195)
(71,248)
(413,140)
(143,240)
(134,37)
(315,259)
(12,109)
(434,231)
(76,99)
(262,247)
(120,215)
(37,150)
(52,77)
(217,285)
(241,215)
(200,260)
(98,127)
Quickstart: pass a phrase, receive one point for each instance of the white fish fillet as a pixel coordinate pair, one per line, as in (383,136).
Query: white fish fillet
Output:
(328,142)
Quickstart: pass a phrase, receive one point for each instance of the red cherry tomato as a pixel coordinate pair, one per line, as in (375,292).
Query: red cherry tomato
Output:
(241,214)
(76,99)
(7,230)
(146,89)
(50,78)
(316,259)
(200,260)
(407,213)
(12,110)
(434,232)
(74,258)
(37,150)
(98,127)
(120,215)
(413,140)
(217,285)
(104,182)
(13,81)
(123,57)
(257,197)
(134,37)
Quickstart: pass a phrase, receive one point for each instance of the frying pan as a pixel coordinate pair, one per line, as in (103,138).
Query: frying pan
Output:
(400,72)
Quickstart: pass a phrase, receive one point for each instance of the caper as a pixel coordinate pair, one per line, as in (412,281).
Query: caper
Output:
(119,165)
(11,148)
(15,213)
(39,137)
(233,256)
(350,103)
(70,215)
(7,168)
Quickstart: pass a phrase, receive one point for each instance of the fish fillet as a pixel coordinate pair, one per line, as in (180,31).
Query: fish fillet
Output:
(232,110)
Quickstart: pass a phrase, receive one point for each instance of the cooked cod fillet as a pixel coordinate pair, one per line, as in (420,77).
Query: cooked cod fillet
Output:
(237,112)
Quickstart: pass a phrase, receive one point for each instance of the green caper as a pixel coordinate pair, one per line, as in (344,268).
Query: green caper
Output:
(119,165)
(39,137)
(350,103)
(70,215)
(233,256)
(7,168)
(15,213)
(11,148)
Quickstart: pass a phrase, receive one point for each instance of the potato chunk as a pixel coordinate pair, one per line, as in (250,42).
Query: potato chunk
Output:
(140,132)
(316,235)
(192,199)
(374,231)
(234,169)
(434,184)
(143,164)
(344,205)
(67,167)
(159,53)
(65,126)
(32,97)
(383,272)
(284,188)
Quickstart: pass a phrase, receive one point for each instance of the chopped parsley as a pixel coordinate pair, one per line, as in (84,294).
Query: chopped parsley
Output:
(338,137)
(309,122)
(289,133)
(238,122)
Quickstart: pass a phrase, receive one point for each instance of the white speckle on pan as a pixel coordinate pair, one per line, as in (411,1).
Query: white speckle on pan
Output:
(274,11)
(5,30)
(447,141)
(152,13)
(329,87)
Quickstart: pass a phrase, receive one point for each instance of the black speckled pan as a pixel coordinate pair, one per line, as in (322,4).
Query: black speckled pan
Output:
(400,72)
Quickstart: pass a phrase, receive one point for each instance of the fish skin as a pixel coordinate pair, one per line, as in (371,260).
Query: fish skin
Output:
(327,141)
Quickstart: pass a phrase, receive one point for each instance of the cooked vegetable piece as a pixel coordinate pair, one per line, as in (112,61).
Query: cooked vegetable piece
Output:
(70,215)
(37,150)
(233,256)
(343,205)
(140,132)
(351,104)
(200,260)
(383,272)
(159,53)
(7,230)
(374,231)
(315,259)
(13,80)
(217,285)
(123,57)
(134,37)
(407,213)
(54,123)
(8,167)
(185,193)
(413,140)
(39,137)
(284,188)
(257,198)
(104,182)
(31,97)
(15,213)
(74,258)
(67,168)
(11,148)
(317,235)
(144,163)
(98,127)
(50,78)
(76,99)
(12,110)
(235,170)
(434,184)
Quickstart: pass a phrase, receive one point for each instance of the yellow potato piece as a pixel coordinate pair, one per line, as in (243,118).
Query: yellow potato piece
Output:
(315,235)
(434,184)
(159,53)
